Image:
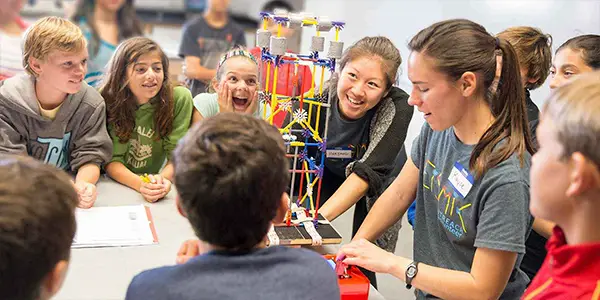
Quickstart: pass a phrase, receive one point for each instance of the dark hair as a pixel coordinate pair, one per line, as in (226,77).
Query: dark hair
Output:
(379,47)
(477,52)
(127,20)
(589,45)
(120,101)
(37,224)
(230,173)
(271,6)
(533,50)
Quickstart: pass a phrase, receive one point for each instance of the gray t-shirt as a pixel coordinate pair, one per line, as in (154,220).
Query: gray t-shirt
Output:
(208,105)
(458,213)
(349,135)
(207,43)
(271,273)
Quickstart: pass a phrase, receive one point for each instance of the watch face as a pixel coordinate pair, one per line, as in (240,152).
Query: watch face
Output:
(412,271)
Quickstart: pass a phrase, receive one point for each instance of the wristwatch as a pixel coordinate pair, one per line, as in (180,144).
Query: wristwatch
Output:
(411,272)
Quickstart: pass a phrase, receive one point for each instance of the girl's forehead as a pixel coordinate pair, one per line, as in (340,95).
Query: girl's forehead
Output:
(149,57)
(569,56)
(240,64)
(372,64)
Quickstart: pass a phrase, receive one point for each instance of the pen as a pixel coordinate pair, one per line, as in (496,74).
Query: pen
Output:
(145,178)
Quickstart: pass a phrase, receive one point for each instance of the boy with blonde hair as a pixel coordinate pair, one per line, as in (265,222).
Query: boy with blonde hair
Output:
(565,189)
(50,113)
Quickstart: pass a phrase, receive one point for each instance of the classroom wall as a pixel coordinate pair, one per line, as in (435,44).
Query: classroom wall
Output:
(401,19)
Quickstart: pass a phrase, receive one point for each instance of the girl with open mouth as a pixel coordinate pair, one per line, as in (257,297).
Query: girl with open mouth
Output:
(234,88)
(146,117)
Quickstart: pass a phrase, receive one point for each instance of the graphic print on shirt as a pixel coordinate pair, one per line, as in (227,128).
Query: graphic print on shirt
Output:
(450,191)
(140,149)
(52,151)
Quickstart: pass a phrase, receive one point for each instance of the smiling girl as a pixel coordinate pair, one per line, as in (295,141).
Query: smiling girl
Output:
(146,117)
(234,88)
(369,120)
(468,170)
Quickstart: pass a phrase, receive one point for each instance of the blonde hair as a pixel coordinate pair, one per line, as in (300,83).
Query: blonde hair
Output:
(48,34)
(533,50)
(574,109)
(235,52)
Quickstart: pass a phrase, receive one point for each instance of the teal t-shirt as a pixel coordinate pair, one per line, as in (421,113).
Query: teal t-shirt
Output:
(208,105)
(98,62)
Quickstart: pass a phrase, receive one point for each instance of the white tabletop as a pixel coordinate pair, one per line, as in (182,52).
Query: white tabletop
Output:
(105,273)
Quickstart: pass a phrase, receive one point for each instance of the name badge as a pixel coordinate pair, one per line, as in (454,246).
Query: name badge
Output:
(339,153)
(461,180)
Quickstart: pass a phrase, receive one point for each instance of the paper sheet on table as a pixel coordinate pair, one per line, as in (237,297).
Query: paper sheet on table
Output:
(114,226)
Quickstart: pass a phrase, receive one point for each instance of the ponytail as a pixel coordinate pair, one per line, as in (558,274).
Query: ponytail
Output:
(495,60)
(508,107)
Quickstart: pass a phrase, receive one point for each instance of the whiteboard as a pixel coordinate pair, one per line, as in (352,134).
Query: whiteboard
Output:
(400,20)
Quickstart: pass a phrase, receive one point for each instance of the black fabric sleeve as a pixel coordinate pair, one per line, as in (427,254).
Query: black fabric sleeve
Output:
(387,136)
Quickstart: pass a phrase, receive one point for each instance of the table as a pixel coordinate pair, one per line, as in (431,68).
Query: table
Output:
(105,273)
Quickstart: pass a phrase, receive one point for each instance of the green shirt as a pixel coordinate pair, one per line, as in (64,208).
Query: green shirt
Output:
(144,153)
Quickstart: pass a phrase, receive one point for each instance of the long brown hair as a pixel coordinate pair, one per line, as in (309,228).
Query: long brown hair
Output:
(128,23)
(120,101)
(458,46)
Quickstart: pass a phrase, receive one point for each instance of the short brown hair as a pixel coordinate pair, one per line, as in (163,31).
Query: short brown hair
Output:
(37,224)
(231,172)
(48,34)
(574,109)
(533,49)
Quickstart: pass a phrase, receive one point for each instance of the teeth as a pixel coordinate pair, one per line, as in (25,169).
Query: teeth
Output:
(354,101)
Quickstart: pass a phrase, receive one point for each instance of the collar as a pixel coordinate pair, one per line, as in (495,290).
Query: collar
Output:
(574,263)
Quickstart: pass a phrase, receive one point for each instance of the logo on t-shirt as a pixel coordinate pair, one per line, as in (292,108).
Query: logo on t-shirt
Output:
(54,151)
(450,192)
(141,148)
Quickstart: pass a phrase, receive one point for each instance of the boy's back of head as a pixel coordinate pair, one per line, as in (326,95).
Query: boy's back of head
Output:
(37,226)
(231,173)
